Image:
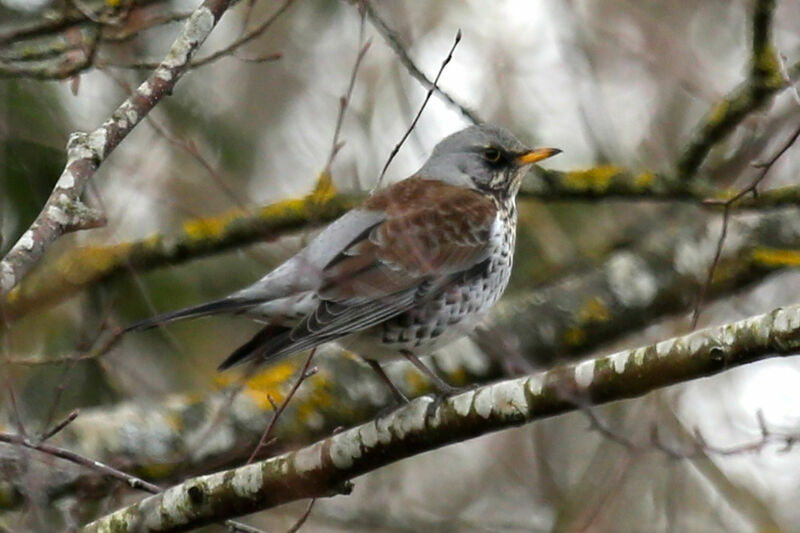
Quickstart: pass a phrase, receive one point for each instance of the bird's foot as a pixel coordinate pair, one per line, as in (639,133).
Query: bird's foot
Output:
(443,393)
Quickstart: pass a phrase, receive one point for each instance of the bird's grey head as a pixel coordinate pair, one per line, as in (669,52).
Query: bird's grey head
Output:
(485,157)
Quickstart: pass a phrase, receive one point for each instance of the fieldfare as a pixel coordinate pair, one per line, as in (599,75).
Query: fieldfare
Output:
(410,270)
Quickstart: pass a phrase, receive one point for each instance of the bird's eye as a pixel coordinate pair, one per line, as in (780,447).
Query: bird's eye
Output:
(492,155)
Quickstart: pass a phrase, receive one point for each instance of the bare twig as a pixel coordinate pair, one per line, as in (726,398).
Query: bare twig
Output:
(344,101)
(187,146)
(228,50)
(393,40)
(698,445)
(752,188)
(238,527)
(601,426)
(59,426)
(98,466)
(764,167)
(97,351)
(421,109)
(764,80)
(305,372)
(302,520)
(92,464)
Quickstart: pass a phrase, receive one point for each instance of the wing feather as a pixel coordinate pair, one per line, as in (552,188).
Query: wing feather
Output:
(428,233)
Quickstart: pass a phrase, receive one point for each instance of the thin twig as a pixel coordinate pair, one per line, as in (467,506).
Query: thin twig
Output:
(96,352)
(302,520)
(701,298)
(78,459)
(187,146)
(228,50)
(92,464)
(763,81)
(305,372)
(393,41)
(752,188)
(421,109)
(60,426)
(344,101)
(239,527)
(698,445)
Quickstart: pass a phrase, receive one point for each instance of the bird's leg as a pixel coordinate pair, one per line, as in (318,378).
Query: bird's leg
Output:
(444,388)
(398,395)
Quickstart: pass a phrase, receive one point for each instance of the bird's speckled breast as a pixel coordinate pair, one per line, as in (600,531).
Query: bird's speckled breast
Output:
(455,311)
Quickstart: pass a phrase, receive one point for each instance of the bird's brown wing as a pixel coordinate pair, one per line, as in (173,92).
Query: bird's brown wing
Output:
(431,229)
(431,232)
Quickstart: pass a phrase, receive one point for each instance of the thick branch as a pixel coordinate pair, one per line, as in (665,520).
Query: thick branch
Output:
(87,151)
(636,286)
(53,281)
(610,182)
(632,288)
(326,467)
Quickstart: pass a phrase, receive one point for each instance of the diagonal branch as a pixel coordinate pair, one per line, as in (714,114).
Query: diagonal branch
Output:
(327,467)
(64,210)
(393,41)
(765,79)
(634,287)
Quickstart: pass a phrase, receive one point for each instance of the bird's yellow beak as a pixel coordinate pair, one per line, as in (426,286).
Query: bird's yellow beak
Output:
(537,154)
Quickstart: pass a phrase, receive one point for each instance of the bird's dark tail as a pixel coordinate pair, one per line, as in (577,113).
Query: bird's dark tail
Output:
(226,305)
(266,341)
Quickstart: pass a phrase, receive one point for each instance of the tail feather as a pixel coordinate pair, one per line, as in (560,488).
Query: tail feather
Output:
(265,342)
(226,305)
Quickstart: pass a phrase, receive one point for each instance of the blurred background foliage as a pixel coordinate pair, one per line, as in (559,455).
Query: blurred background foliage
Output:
(620,83)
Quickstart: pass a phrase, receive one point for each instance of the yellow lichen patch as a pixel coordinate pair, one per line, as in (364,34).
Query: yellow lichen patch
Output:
(417,383)
(725,194)
(593,310)
(151,242)
(270,382)
(297,207)
(776,257)
(156,470)
(574,336)
(211,227)
(8,496)
(644,180)
(595,179)
(174,421)
(214,227)
(81,267)
(768,65)
(458,376)
(316,397)
(351,355)
(324,190)
(14,295)
(718,112)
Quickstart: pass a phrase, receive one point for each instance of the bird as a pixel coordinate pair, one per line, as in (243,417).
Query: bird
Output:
(408,271)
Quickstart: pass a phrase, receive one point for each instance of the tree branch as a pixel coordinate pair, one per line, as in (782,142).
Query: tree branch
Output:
(327,467)
(64,210)
(53,281)
(765,79)
(634,287)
